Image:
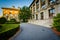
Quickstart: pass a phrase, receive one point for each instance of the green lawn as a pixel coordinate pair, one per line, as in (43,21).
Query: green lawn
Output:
(7,27)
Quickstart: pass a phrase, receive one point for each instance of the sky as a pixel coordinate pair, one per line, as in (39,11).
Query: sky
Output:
(16,3)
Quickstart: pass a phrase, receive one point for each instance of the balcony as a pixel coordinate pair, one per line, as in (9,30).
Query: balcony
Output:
(42,2)
(34,10)
(37,3)
(54,2)
(58,2)
(44,6)
(37,10)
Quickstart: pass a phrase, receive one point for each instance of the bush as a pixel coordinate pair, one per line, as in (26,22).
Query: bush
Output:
(12,21)
(3,20)
(56,22)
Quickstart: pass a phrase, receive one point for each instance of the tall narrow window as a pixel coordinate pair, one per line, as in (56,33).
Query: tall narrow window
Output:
(43,4)
(42,15)
(37,5)
(36,16)
(51,12)
(52,1)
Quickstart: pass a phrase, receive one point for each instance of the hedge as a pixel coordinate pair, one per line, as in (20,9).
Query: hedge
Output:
(6,35)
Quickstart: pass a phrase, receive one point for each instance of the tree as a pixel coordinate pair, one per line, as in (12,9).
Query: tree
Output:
(25,14)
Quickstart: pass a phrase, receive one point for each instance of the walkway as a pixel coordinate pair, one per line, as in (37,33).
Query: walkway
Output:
(35,32)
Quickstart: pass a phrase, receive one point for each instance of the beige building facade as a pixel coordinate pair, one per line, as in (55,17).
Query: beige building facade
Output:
(44,9)
(43,12)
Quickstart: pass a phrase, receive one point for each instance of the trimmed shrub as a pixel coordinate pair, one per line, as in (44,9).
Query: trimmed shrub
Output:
(12,21)
(6,35)
(3,20)
(56,22)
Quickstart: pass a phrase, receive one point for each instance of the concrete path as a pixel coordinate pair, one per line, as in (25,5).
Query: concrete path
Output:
(35,32)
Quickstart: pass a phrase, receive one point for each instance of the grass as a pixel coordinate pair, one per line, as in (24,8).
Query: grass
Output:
(6,27)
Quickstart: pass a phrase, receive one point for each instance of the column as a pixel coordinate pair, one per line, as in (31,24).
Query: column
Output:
(39,5)
(39,9)
(46,3)
(46,11)
(32,12)
(35,9)
(35,6)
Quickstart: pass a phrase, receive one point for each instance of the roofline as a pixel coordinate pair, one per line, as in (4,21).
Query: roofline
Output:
(31,3)
(10,8)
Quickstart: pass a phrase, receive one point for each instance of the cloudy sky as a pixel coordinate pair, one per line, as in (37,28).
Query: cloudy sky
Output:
(16,3)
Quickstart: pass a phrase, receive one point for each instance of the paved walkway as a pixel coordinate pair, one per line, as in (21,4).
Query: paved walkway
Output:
(35,32)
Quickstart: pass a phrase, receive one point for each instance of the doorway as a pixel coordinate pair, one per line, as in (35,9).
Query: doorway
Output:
(36,16)
(42,16)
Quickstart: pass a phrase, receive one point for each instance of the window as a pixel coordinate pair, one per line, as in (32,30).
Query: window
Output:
(36,16)
(7,16)
(42,0)
(37,5)
(33,15)
(10,14)
(52,10)
(37,2)
(43,4)
(52,1)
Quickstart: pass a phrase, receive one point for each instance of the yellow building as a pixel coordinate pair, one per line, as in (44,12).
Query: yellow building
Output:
(10,13)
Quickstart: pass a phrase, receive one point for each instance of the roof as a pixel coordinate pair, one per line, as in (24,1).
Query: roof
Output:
(32,3)
(10,8)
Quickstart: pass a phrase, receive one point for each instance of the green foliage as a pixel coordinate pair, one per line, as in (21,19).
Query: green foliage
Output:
(25,14)
(56,22)
(12,21)
(3,20)
(8,30)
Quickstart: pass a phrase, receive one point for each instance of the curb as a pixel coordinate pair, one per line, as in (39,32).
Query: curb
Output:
(14,35)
